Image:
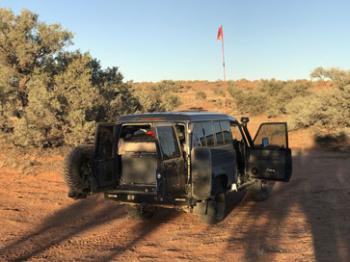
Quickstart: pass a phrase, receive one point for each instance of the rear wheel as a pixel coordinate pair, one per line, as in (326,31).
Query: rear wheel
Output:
(77,171)
(213,210)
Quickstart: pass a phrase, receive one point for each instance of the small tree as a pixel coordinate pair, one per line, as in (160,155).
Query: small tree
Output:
(49,96)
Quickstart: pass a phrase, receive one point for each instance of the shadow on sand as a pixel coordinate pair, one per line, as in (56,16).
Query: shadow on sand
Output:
(314,193)
(76,219)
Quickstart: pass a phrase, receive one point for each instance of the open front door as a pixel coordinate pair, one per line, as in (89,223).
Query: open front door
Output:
(106,162)
(270,157)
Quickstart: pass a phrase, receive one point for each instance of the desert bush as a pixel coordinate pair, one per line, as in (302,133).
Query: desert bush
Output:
(248,101)
(270,96)
(157,98)
(49,96)
(280,95)
(169,86)
(219,102)
(219,91)
(341,78)
(201,95)
(302,114)
(170,102)
(328,111)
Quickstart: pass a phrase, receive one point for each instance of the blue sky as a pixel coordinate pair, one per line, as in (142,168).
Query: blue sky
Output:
(176,39)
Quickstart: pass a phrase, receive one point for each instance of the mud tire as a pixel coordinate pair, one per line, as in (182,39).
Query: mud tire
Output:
(213,210)
(77,171)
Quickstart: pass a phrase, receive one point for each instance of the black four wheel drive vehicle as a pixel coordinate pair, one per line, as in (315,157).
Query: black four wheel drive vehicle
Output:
(187,160)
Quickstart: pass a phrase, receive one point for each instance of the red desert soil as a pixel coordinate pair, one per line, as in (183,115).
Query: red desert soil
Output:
(306,219)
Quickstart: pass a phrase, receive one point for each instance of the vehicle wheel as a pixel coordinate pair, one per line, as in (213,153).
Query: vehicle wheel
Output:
(213,211)
(141,211)
(260,191)
(77,170)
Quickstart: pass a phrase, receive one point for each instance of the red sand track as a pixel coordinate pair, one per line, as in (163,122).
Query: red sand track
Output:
(304,220)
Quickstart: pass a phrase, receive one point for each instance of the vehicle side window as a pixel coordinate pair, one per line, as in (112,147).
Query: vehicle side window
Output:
(272,134)
(168,142)
(226,130)
(209,133)
(218,133)
(198,136)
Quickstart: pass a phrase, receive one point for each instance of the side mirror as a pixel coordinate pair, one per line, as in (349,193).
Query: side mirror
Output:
(245,120)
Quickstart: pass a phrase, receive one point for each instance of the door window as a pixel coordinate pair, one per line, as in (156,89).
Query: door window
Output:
(198,136)
(218,133)
(272,134)
(226,130)
(168,142)
(209,133)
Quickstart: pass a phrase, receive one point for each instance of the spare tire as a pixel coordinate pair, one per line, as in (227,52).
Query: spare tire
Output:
(77,170)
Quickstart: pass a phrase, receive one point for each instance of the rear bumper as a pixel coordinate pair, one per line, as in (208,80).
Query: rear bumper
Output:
(149,190)
(136,194)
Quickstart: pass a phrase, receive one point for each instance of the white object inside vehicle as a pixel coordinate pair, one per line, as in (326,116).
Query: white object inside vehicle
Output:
(127,147)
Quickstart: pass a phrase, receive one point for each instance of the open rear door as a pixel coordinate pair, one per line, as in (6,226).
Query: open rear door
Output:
(172,160)
(270,157)
(106,161)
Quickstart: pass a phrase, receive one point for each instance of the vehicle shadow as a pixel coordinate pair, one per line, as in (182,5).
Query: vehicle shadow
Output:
(313,194)
(61,226)
(311,210)
(84,215)
(233,201)
(139,232)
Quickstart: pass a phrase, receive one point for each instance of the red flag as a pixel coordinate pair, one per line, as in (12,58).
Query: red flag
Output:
(220,35)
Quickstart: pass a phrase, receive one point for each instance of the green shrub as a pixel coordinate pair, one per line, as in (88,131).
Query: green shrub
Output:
(270,96)
(201,95)
(169,86)
(156,99)
(248,101)
(328,111)
(170,102)
(49,96)
(283,95)
(219,91)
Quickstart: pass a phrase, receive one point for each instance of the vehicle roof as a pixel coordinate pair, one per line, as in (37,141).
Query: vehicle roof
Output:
(175,116)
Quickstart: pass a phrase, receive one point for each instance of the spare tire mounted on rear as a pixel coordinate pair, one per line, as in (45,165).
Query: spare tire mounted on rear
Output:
(77,171)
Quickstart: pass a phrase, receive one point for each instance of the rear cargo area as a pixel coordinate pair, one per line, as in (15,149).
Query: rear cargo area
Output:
(138,153)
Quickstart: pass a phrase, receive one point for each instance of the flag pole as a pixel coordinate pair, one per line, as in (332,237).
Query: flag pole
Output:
(223,56)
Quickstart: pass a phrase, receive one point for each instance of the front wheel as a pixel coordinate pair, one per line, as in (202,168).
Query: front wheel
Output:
(260,191)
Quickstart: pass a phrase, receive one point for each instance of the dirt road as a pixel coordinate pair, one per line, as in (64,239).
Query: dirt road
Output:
(304,220)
